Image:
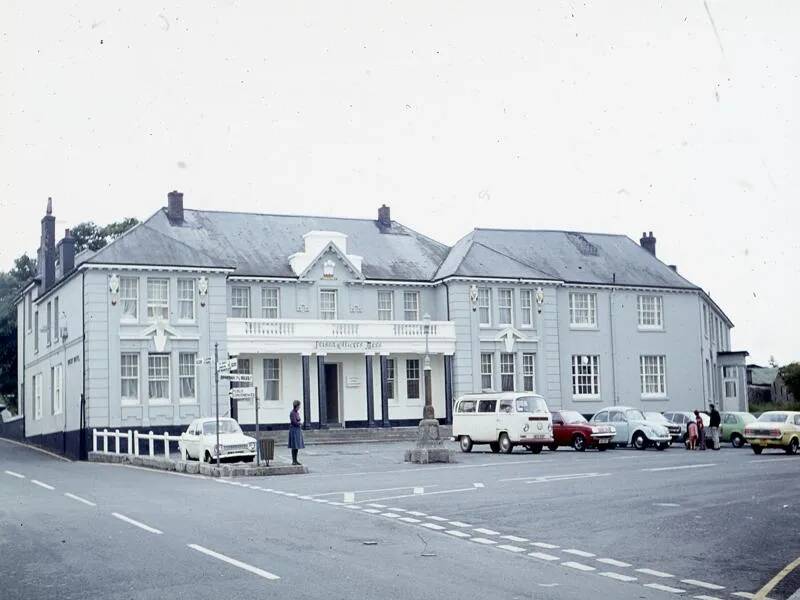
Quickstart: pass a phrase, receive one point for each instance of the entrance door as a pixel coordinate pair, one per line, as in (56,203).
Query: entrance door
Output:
(332,392)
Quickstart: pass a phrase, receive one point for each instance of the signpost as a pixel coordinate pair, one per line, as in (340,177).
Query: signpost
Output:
(248,393)
(222,371)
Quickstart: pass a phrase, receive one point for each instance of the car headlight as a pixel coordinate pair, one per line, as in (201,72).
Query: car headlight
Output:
(251,446)
(219,449)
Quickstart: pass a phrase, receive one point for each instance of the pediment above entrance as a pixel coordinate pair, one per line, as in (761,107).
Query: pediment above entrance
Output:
(508,336)
(326,252)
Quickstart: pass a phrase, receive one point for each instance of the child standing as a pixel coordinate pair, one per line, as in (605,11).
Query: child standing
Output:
(691,429)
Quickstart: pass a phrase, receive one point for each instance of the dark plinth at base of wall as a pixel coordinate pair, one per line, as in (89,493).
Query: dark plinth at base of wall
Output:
(198,468)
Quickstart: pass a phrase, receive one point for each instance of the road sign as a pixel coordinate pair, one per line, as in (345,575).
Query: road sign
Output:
(204,361)
(239,377)
(227,365)
(243,393)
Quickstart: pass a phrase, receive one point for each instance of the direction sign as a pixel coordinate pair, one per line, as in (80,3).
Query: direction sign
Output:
(243,393)
(239,377)
(204,361)
(227,365)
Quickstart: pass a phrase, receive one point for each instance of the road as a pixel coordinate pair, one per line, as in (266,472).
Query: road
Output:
(363,524)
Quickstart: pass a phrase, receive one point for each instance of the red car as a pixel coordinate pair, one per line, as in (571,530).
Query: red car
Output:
(570,428)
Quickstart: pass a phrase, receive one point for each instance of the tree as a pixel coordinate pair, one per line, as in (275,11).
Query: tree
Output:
(791,375)
(772,362)
(89,235)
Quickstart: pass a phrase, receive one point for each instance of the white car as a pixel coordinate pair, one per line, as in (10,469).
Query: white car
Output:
(632,427)
(199,441)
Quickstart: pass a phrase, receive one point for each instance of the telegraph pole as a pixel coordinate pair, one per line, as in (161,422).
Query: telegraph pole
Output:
(216,387)
(258,443)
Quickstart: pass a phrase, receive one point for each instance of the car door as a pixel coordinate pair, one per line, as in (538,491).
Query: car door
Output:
(190,440)
(559,429)
(486,426)
(506,420)
(729,425)
(618,419)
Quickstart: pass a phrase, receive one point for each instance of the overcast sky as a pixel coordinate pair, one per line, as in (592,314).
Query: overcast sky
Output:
(617,116)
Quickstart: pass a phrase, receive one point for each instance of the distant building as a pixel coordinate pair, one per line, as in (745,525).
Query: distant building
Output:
(759,383)
(332,312)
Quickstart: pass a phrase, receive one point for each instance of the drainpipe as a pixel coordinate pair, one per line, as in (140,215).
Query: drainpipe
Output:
(611,328)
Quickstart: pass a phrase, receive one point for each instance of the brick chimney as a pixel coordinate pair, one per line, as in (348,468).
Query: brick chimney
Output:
(384,218)
(175,207)
(47,250)
(65,250)
(648,242)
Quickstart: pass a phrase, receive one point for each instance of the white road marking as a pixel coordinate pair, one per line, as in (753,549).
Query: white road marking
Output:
(664,588)
(42,484)
(654,573)
(579,553)
(433,526)
(234,562)
(554,478)
(372,511)
(14,474)
(542,556)
(391,515)
(478,485)
(392,489)
(471,489)
(137,523)
(514,538)
(290,494)
(79,499)
(613,562)
(763,460)
(409,519)
(460,524)
(577,565)
(681,467)
(544,545)
(322,501)
(303,497)
(511,548)
(396,509)
(667,504)
(483,541)
(419,490)
(745,594)
(353,507)
(441,519)
(617,576)
(486,531)
(457,533)
(704,597)
(475,466)
(373,505)
(703,584)
(416,513)
(349,497)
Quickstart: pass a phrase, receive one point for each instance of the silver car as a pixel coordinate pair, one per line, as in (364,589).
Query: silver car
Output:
(633,428)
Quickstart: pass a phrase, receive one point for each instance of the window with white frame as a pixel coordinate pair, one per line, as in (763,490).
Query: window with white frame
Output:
(391,380)
(484,306)
(36,331)
(411,306)
(653,376)
(729,382)
(49,324)
(186,299)
(529,372)
(58,399)
(585,376)
(242,368)
(129,377)
(158,299)
(129,298)
(270,303)
(583,309)
(505,306)
(705,320)
(29,302)
(651,312)
(487,358)
(272,379)
(158,377)
(412,379)
(526,306)
(240,302)
(385,305)
(507,372)
(328,304)
(56,330)
(37,396)
(187,375)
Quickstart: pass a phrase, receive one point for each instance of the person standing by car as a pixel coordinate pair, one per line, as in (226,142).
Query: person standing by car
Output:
(295,433)
(691,440)
(714,427)
(701,429)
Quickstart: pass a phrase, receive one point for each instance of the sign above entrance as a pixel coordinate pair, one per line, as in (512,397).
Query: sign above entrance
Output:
(347,345)
(238,377)
(243,393)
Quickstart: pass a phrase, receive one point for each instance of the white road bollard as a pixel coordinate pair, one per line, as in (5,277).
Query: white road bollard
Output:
(116,441)
(166,445)
(136,443)
(130,442)
(150,443)
(94,440)
(105,441)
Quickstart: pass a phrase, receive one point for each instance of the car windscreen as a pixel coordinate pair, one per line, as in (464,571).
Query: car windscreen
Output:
(531,404)
(572,417)
(634,415)
(773,417)
(225,426)
(748,418)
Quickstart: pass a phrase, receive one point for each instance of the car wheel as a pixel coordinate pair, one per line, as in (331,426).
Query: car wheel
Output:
(505,444)
(737,441)
(792,447)
(552,447)
(758,449)
(662,446)
(466,443)
(536,448)
(612,446)
(494,447)
(208,458)
(639,441)
(579,442)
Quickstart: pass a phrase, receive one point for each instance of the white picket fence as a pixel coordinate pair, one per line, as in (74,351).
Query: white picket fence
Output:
(132,437)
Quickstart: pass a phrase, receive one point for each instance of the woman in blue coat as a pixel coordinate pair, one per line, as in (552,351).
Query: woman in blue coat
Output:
(295,433)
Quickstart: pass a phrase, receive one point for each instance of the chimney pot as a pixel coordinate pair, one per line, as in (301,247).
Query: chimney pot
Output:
(384,218)
(66,254)
(674,267)
(648,242)
(175,207)
(47,249)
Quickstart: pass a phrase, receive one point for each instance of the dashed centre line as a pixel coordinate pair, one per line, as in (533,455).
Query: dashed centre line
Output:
(514,538)
(483,541)
(483,531)
(654,573)
(543,556)
(456,533)
(15,474)
(79,499)
(511,548)
(234,562)
(42,484)
(680,467)
(703,584)
(618,576)
(544,545)
(613,562)
(578,566)
(579,553)
(664,588)
(137,523)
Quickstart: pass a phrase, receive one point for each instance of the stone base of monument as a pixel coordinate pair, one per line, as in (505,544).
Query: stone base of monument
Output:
(429,447)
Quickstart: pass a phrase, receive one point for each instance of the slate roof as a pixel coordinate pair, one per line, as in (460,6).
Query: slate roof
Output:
(573,257)
(260,244)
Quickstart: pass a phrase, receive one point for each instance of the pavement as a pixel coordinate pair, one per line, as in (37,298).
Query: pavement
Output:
(620,524)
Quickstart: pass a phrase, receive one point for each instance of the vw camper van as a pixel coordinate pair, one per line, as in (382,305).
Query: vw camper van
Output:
(502,420)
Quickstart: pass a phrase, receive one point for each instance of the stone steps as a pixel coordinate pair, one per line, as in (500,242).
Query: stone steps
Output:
(366,435)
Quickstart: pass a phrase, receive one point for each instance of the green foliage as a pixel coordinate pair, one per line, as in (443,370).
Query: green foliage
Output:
(791,375)
(90,235)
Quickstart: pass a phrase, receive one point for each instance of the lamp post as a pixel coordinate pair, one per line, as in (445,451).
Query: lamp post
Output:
(427,411)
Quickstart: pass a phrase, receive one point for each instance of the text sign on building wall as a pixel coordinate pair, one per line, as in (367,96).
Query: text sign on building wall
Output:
(347,345)
(238,377)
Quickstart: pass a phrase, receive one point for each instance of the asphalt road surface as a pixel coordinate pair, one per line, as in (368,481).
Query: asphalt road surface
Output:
(619,525)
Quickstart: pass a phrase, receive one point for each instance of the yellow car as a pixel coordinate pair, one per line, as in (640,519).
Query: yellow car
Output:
(774,429)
